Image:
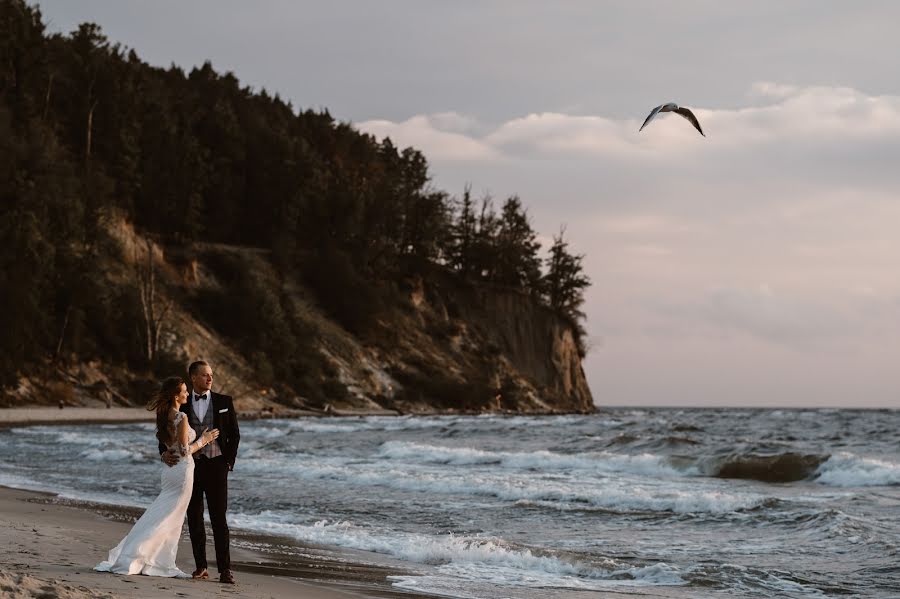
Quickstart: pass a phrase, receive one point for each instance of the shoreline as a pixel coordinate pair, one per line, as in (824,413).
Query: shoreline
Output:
(50,416)
(52,544)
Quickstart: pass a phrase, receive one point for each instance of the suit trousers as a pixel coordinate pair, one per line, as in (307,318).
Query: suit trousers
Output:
(211,480)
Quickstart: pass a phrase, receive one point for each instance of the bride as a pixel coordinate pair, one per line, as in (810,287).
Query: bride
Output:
(150,546)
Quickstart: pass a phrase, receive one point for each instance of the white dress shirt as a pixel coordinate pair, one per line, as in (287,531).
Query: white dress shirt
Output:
(201,405)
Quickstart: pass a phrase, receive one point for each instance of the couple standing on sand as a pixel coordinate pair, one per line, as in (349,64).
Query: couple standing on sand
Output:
(198,440)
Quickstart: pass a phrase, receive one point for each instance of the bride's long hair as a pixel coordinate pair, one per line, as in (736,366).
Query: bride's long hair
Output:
(162,402)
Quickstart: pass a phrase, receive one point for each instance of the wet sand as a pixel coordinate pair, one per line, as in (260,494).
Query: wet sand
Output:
(50,546)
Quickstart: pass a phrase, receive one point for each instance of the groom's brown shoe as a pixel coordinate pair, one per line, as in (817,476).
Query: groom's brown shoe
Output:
(201,573)
(226,576)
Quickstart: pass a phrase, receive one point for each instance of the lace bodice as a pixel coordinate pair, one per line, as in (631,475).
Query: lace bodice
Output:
(192,435)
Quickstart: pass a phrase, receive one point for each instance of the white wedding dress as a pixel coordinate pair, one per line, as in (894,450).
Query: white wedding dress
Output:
(150,546)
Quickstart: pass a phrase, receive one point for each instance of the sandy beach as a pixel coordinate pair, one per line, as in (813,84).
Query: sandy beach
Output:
(41,415)
(51,545)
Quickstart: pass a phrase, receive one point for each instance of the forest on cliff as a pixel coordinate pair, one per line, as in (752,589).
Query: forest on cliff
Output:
(89,131)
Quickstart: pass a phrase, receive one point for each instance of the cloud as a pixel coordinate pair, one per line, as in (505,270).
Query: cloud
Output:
(797,188)
(437,136)
(769,89)
(788,114)
(643,224)
(649,250)
(763,313)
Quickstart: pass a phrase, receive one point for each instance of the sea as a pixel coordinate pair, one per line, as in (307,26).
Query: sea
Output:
(656,502)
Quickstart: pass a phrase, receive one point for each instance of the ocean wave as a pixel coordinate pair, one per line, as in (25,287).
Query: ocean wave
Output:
(260,432)
(756,581)
(473,581)
(463,556)
(351,424)
(643,464)
(84,436)
(613,494)
(447,424)
(90,436)
(849,470)
(686,428)
(102,455)
(779,468)
(367,423)
(424,549)
(832,524)
(121,497)
(28,483)
(623,439)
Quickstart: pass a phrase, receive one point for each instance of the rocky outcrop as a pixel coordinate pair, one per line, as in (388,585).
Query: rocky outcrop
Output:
(448,346)
(470,348)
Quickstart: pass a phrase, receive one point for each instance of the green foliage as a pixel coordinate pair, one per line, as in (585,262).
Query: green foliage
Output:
(461,255)
(25,277)
(253,294)
(342,292)
(565,283)
(517,261)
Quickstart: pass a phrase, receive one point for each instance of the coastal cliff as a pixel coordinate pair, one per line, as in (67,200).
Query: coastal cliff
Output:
(152,216)
(445,346)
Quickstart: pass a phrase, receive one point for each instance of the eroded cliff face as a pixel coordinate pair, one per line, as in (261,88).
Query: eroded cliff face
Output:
(536,361)
(446,347)
(461,347)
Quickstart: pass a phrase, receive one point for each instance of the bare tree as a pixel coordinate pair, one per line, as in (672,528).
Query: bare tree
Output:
(89,133)
(47,99)
(154,314)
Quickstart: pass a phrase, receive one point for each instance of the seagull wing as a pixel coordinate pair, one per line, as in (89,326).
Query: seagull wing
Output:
(652,114)
(686,113)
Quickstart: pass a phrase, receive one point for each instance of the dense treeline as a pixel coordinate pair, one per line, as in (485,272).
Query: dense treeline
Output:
(87,127)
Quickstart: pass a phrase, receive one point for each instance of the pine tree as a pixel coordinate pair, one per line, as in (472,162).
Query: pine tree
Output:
(518,263)
(462,238)
(565,283)
(484,247)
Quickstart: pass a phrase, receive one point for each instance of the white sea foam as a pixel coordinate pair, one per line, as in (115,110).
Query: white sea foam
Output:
(102,455)
(82,438)
(849,470)
(411,423)
(327,426)
(269,432)
(371,423)
(485,559)
(85,435)
(478,580)
(644,464)
(29,430)
(567,493)
(122,496)
(25,482)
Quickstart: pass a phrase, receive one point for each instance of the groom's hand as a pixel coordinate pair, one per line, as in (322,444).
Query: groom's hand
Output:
(169,458)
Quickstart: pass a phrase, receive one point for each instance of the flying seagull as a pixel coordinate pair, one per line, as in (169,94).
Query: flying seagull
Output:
(673,107)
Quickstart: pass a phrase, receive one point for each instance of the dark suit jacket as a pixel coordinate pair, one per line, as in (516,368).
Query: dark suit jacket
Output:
(224,419)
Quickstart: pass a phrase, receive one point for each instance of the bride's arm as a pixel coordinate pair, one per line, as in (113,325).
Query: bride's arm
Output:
(204,439)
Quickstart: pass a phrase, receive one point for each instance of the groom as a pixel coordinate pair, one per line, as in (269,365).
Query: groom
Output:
(208,410)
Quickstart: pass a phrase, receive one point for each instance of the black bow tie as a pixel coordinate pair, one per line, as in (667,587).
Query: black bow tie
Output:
(200,397)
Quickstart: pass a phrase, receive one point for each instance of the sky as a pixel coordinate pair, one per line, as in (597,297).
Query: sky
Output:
(757,266)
